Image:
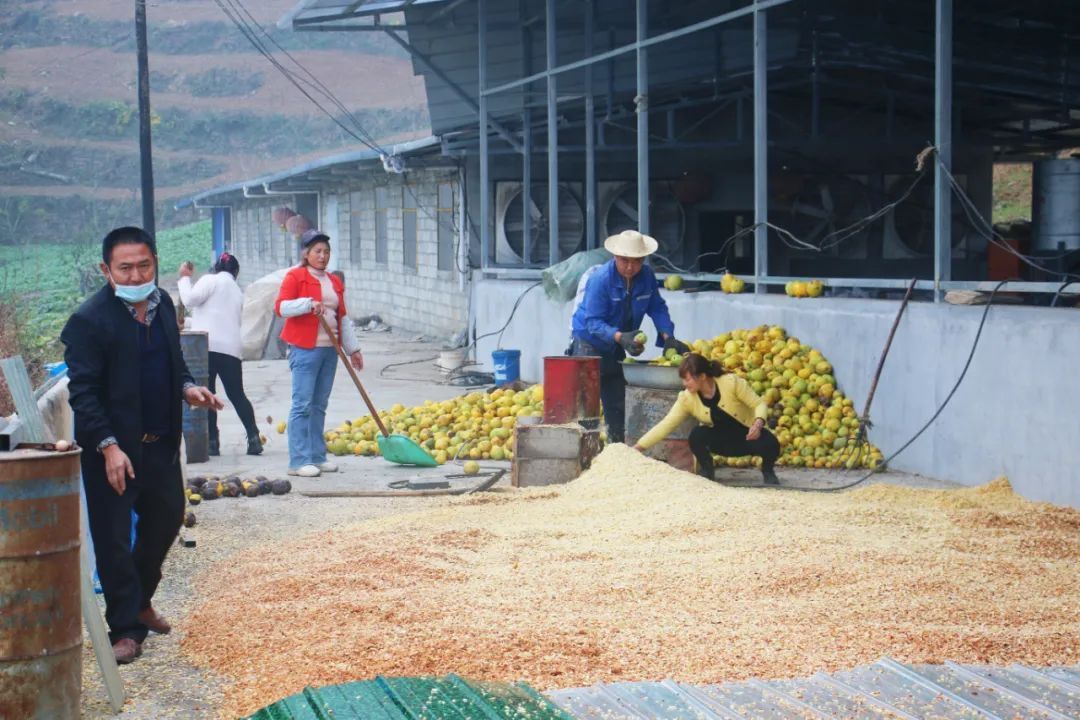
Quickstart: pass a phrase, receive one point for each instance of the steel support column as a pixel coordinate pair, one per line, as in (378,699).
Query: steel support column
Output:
(526,158)
(642,107)
(590,133)
(552,136)
(761,150)
(485,173)
(943,77)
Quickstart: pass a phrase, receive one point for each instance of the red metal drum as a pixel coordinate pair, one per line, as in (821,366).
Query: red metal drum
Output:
(571,388)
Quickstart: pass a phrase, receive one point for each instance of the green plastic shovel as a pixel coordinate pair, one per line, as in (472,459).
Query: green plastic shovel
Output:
(395,448)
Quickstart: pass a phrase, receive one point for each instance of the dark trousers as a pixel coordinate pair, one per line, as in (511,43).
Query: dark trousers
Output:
(730,440)
(231,371)
(129,577)
(612,387)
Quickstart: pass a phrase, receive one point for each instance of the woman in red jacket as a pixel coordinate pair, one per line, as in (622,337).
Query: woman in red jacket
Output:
(307,292)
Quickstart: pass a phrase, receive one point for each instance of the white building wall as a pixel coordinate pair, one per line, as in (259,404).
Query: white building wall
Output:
(423,299)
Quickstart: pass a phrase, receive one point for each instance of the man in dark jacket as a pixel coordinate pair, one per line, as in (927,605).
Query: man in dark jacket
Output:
(127,379)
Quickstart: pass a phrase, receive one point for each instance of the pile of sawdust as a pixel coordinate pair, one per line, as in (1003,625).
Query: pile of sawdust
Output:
(637,571)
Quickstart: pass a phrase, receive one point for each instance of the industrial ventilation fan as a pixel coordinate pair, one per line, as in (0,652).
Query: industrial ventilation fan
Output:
(510,223)
(822,210)
(909,227)
(618,204)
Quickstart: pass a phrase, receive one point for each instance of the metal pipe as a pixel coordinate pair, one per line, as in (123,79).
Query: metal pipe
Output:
(482,107)
(943,142)
(461,262)
(881,361)
(590,134)
(815,89)
(526,160)
(641,103)
(761,149)
(552,137)
(634,46)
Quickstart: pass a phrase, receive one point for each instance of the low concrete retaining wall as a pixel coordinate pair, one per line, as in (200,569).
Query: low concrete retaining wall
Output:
(1016,413)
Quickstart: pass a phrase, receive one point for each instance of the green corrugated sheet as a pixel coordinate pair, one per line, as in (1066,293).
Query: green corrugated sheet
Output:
(417,698)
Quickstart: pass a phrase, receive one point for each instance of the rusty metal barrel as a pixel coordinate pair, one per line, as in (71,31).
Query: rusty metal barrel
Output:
(645,407)
(40,617)
(195,344)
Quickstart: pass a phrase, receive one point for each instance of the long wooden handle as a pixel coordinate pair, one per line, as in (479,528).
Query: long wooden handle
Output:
(353,375)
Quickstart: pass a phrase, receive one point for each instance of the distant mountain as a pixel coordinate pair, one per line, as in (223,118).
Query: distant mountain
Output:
(222,111)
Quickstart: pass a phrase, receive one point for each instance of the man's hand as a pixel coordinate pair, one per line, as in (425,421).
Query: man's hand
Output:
(357,360)
(755,429)
(187,269)
(316,308)
(670,343)
(629,343)
(117,468)
(201,397)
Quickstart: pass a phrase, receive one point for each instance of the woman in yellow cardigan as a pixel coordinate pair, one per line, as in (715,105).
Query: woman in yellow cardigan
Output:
(731,414)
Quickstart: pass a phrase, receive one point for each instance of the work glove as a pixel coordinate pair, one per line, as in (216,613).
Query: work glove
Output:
(670,343)
(630,344)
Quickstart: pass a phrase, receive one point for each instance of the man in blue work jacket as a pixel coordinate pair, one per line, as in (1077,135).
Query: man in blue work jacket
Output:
(617,298)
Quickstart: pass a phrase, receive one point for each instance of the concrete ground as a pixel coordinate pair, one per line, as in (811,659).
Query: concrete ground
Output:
(161,684)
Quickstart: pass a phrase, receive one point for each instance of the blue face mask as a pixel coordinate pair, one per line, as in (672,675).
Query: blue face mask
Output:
(134,293)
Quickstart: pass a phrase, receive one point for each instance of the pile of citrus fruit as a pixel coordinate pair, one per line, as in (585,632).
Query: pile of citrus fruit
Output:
(817,426)
(477,426)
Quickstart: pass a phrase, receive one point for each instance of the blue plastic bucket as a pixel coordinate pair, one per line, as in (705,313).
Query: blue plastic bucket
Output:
(507,366)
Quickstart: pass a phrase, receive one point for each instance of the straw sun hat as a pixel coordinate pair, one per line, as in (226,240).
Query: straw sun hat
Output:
(631,244)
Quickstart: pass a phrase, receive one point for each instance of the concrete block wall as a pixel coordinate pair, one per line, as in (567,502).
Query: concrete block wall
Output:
(422,299)
(1014,415)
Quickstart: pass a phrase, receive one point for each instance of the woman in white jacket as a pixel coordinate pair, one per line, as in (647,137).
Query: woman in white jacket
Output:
(217,304)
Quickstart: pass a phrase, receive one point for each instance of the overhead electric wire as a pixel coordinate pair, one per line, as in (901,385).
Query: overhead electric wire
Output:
(261,49)
(235,10)
(314,80)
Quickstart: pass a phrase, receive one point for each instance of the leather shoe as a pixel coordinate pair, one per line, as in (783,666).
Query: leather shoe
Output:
(125,650)
(153,620)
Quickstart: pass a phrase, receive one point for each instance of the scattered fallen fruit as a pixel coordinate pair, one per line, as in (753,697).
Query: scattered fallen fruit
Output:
(471,467)
(732,284)
(194,498)
(281,487)
(189,519)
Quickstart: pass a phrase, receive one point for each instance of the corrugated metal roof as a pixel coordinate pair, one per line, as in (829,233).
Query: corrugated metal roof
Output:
(886,689)
(348,158)
(418,698)
(313,11)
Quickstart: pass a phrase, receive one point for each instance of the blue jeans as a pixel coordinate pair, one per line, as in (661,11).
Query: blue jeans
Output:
(312,379)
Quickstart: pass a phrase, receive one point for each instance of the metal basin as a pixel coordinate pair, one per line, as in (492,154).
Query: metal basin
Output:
(652,376)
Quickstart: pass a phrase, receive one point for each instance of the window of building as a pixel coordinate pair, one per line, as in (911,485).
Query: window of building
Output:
(384,199)
(447,231)
(356,205)
(409,237)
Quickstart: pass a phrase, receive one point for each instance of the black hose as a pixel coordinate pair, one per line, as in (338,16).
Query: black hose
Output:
(937,413)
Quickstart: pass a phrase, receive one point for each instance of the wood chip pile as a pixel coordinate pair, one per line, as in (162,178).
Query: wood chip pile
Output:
(637,571)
